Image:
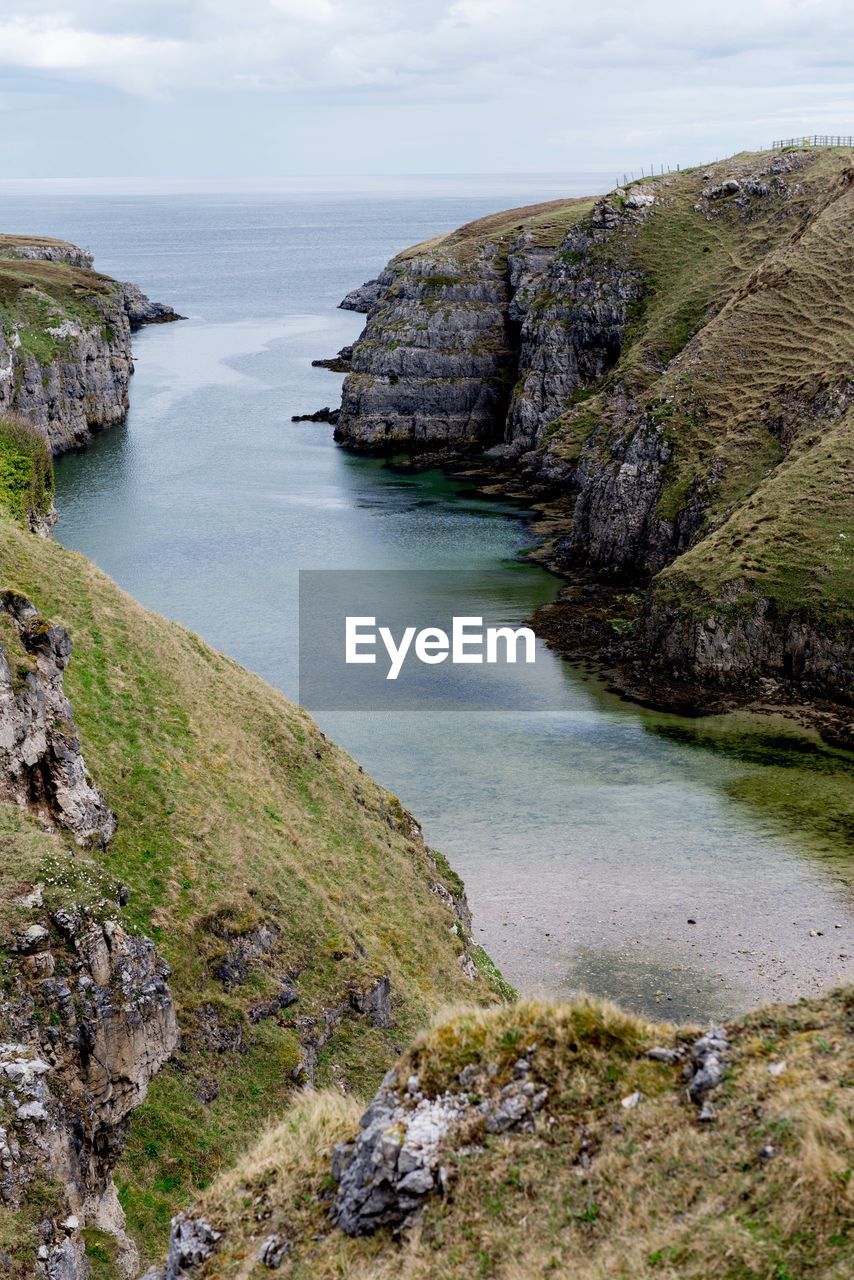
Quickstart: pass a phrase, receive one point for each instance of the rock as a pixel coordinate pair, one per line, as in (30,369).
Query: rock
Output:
(244,951)
(663,1055)
(393,1162)
(374,1003)
(32,1111)
(35,938)
(776,1069)
(396,1160)
(88,1044)
(191,1242)
(41,764)
(320,415)
(339,363)
(639,199)
(140,310)
(730,187)
(363,298)
(45,249)
(272,1250)
(632,1101)
(707,1054)
(286,996)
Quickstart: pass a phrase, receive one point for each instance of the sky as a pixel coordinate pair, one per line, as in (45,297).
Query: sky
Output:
(268,89)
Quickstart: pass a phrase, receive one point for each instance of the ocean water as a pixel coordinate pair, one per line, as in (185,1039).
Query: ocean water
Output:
(588,831)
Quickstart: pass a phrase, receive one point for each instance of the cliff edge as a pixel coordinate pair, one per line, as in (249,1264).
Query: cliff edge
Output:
(65,339)
(671,365)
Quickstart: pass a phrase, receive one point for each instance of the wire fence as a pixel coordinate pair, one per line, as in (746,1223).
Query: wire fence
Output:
(815,140)
(803,140)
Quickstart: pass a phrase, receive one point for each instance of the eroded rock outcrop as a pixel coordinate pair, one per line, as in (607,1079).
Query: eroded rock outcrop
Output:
(87,1019)
(41,764)
(397,1158)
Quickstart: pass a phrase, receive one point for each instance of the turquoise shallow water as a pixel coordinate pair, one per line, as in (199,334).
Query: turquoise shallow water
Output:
(588,833)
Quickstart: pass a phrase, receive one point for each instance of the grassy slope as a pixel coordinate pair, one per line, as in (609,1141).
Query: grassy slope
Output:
(745,328)
(791,541)
(233,809)
(598,1191)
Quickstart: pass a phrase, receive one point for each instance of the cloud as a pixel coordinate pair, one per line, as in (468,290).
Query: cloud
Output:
(517,81)
(353,44)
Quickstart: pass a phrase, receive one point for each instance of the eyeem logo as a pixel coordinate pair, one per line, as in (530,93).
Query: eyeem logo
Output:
(433,640)
(469,642)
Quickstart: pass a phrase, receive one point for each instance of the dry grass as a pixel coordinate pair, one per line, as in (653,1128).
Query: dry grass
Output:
(598,1192)
(546,224)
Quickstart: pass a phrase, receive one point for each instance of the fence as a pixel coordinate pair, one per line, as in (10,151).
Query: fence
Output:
(815,140)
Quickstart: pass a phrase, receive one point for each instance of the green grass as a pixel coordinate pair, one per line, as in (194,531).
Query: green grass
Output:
(38,296)
(233,810)
(26,469)
(790,542)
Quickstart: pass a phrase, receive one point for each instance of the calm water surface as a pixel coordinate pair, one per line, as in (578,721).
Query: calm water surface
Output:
(588,834)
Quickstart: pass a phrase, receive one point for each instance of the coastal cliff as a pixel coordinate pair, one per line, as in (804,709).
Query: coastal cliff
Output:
(65,339)
(671,363)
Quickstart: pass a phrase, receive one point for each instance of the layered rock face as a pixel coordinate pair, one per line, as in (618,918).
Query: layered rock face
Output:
(657,357)
(435,368)
(41,764)
(65,340)
(482,338)
(432,370)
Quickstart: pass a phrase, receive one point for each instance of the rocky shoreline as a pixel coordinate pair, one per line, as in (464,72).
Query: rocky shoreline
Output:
(591,622)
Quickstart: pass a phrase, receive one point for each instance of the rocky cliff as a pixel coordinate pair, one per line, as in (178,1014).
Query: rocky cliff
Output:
(65,339)
(86,1014)
(41,765)
(673,361)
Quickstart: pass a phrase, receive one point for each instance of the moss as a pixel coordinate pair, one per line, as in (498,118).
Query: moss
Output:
(437,281)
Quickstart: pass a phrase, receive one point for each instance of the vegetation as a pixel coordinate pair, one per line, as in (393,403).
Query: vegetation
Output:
(37,297)
(546,224)
(26,469)
(790,542)
(740,353)
(234,813)
(599,1190)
